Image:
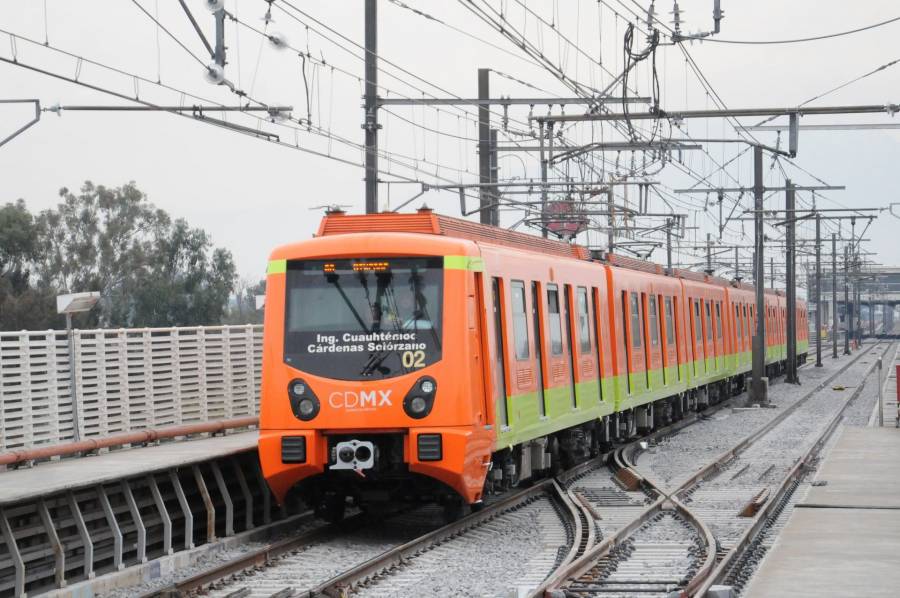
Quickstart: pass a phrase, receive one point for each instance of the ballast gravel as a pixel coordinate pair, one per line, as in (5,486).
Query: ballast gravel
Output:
(486,561)
(677,457)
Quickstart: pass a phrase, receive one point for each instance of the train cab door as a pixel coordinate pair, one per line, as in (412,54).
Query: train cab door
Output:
(499,361)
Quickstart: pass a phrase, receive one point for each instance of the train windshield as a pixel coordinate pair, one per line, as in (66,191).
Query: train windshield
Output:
(359,319)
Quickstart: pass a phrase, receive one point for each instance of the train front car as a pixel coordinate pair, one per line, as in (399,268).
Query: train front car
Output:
(372,373)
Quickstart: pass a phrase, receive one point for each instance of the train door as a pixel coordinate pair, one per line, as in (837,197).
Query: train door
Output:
(555,368)
(738,335)
(598,340)
(671,338)
(587,355)
(709,349)
(654,360)
(720,336)
(699,351)
(569,342)
(499,358)
(638,355)
(538,346)
(626,341)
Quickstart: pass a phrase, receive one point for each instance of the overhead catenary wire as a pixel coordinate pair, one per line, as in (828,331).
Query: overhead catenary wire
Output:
(801,40)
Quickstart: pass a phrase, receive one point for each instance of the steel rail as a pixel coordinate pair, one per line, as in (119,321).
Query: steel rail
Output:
(669,500)
(800,468)
(342,584)
(251,560)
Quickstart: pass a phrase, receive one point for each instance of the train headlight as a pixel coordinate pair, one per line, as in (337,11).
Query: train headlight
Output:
(418,405)
(420,398)
(307,408)
(304,402)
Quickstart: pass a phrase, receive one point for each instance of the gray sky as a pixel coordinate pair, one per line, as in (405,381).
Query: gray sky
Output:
(252,195)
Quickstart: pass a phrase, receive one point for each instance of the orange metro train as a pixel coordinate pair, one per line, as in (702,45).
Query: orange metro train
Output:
(413,357)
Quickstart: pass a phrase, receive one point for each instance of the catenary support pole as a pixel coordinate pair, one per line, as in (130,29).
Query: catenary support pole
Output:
(848,320)
(759,385)
(790,287)
(818,290)
(669,246)
(371,106)
(495,191)
(834,311)
(543,157)
(484,146)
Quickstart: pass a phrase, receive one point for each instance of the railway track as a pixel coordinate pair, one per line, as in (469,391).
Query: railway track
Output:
(696,534)
(604,529)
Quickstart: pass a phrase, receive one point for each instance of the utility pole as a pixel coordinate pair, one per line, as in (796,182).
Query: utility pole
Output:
(790,284)
(709,267)
(611,208)
(818,290)
(772,273)
(544,164)
(494,190)
(371,125)
(484,147)
(759,387)
(848,320)
(669,222)
(737,265)
(834,314)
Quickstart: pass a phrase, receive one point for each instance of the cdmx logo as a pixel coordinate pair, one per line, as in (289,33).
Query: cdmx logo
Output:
(360,401)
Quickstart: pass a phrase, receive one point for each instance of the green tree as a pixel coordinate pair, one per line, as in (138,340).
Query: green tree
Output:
(149,269)
(22,306)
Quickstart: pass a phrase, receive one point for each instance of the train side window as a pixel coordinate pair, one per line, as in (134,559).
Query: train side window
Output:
(653,320)
(738,326)
(636,332)
(709,333)
(698,323)
(555,321)
(670,322)
(719,320)
(520,320)
(584,321)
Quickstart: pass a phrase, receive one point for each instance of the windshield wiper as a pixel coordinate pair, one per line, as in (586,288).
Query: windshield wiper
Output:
(334,280)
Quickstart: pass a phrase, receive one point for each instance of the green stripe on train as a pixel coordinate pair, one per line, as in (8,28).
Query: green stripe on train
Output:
(277,267)
(463,262)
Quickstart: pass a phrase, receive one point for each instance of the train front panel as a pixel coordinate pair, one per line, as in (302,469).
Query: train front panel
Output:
(372,370)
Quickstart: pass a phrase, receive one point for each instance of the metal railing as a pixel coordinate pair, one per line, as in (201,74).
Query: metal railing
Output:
(125,379)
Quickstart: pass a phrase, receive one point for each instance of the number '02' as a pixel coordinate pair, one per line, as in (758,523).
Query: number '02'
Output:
(413,359)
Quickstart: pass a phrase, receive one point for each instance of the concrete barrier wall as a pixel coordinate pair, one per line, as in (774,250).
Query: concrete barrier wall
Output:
(125,379)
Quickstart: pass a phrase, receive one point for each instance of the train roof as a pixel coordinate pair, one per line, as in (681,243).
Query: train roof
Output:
(425,221)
